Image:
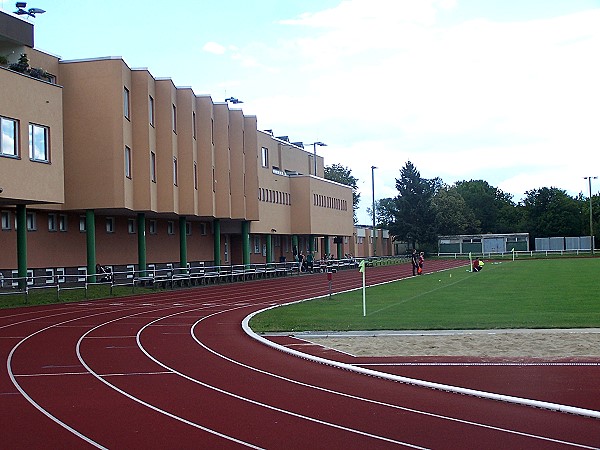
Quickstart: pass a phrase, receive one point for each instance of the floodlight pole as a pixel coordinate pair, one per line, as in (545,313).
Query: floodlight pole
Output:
(591,221)
(314,144)
(373,191)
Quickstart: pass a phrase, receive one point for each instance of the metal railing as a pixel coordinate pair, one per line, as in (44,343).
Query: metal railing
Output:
(172,277)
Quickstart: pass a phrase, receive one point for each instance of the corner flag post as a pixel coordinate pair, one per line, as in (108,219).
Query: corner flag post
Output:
(471,261)
(361,268)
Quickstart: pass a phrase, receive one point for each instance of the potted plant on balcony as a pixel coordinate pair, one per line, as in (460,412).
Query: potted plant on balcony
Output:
(22,65)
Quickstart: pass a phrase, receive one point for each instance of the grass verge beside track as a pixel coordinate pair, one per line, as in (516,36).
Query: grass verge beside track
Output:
(557,293)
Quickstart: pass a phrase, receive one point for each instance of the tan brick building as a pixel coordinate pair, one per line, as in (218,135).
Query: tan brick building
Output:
(102,163)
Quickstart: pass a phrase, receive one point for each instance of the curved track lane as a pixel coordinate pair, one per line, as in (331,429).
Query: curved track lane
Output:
(176,370)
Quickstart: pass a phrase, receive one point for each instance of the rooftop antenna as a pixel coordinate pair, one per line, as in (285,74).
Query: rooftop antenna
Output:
(31,12)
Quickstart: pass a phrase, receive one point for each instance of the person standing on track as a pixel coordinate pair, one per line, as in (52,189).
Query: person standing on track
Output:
(415,261)
(421,263)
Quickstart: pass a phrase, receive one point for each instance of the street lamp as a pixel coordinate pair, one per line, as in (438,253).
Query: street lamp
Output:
(314,144)
(373,190)
(591,225)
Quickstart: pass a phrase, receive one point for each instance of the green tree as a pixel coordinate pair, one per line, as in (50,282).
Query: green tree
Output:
(414,216)
(384,212)
(490,205)
(343,175)
(552,212)
(452,215)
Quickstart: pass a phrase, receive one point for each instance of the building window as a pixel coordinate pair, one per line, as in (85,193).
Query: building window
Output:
(62,222)
(8,137)
(195,176)
(52,225)
(152,227)
(174,119)
(131,226)
(38,143)
(82,225)
(170,227)
(256,244)
(127,162)
(175,171)
(6,220)
(151,110)
(153,167)
(188,228)
(203,228)
(194,124)
(31,221)
(110,224)
(264,152)
(126,102)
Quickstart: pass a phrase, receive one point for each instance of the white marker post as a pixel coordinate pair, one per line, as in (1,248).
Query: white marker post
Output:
(470,262)
(361,268)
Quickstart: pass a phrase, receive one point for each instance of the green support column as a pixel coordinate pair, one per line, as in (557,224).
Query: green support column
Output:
(22,245)
(90,239)
(217,241)
(182,242)
(326,248)
(339,250)
(246,243)
(311,243)
(269,248)
(141,229)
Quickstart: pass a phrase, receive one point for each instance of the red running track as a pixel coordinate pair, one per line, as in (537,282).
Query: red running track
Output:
(176,370)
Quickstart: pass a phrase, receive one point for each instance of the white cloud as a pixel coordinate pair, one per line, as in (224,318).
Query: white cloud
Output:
(382,82)
(214,48)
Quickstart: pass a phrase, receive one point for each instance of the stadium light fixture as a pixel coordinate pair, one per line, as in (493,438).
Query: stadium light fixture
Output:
(373,190)
(315,144)
(591,222)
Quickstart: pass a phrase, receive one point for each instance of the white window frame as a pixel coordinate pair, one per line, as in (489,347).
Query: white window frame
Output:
(126,103)
(264,156)
(195,176)
(34,143)
(52,222)
(175,171)
(31,219)
(153,167)
(128,172)
(131,228)
(6,221)
(203,228)
(174,118)
(6,138)
(63,222)
(110,224)
(171,227)
(151,110)
(257,248)
(82,224)
(152,226)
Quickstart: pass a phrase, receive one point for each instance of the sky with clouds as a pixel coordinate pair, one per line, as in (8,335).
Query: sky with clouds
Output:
(506,91)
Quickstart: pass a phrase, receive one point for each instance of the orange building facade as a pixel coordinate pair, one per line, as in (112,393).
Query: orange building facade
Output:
(102,163)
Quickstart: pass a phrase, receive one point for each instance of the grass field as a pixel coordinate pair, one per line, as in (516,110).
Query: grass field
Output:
(557,293)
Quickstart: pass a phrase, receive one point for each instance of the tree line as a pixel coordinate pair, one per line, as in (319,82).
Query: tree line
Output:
(427,208)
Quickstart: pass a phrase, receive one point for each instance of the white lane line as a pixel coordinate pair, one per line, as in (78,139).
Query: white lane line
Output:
(102,378)
(30,399)
(422,383)
(468,364)
(255,402)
